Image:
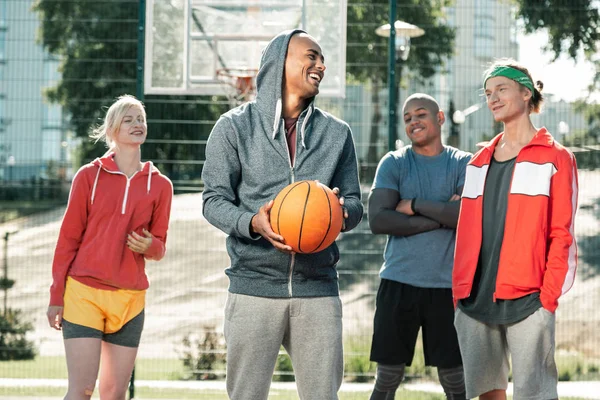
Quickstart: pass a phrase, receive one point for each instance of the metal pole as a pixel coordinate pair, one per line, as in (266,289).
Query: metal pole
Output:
(5,274)
(132,385)
(392,79)
(139,89)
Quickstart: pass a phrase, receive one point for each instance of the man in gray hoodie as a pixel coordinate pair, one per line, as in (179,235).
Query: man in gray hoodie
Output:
(277,297)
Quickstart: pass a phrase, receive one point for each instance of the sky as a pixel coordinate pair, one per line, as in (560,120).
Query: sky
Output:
(564,78)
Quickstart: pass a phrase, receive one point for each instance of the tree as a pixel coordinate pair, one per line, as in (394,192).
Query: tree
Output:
(571,24)
(96,43)
(14,344)
(367,53)
(591,112)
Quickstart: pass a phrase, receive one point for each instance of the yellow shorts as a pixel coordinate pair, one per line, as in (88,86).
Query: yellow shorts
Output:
(106,311)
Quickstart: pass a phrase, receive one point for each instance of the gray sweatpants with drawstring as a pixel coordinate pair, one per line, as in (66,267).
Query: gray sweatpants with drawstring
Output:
(310,330)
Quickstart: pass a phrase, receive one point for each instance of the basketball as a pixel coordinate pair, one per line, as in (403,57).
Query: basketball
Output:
(308,215)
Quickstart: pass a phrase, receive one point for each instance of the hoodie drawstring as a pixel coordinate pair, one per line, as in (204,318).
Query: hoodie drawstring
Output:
(148,184)
(96,183)
(304,126)
(277,121)
(149,177)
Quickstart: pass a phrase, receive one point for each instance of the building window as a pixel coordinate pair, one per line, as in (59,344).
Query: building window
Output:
(514,27)
(484,29)
(2,13)
(2,35)
(52,112)
(51,148)
(2,45)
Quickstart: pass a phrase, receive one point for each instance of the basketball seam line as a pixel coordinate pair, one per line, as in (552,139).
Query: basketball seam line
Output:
(330,218)
(302,220)
(281,206)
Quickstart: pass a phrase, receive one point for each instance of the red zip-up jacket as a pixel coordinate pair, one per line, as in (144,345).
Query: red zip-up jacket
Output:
(538,252)
(104,207)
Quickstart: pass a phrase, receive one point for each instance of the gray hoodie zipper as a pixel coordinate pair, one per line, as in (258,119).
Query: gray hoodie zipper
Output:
(293,258)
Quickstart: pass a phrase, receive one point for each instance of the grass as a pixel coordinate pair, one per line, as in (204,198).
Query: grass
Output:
(574,367)
(147,393)
(55,368)
(359,368)
(10,210)
(172,369)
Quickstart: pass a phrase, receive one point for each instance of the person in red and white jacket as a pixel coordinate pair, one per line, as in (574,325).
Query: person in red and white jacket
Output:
(117,217)
(515,252)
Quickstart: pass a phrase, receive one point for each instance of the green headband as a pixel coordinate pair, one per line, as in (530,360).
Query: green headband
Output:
(510,73)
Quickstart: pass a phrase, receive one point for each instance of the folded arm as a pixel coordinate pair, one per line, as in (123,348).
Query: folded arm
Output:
(384,219)
(444,212)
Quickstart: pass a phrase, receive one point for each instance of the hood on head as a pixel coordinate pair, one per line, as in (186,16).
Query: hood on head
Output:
(269,81)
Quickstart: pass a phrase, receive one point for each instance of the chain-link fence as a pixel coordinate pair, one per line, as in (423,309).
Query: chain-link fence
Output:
(62,62)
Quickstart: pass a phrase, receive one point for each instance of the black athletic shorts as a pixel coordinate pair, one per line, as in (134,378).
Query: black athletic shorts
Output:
(401,310)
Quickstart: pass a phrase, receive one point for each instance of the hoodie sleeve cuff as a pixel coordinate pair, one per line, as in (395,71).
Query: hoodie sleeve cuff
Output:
(156,251)
(548,303)
(244,226)
(355,214)
(57,296)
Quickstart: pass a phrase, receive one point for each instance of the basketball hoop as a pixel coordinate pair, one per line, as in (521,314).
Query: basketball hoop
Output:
(241,82)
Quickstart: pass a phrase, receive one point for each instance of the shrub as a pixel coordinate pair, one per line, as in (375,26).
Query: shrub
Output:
(204,356)
(13,342)
(358,367)
(284,372)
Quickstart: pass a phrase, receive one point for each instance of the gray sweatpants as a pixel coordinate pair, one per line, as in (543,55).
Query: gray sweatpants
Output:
(310,330)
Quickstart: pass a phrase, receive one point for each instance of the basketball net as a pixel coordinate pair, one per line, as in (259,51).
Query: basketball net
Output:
(240,84)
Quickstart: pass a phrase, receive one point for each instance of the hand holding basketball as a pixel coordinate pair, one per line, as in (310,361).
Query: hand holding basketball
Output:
(260,225)
(336,191)
(308,215)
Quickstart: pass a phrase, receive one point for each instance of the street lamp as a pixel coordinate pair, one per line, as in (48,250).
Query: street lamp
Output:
(403,32)
(563,129)
(460,116)
(399,44)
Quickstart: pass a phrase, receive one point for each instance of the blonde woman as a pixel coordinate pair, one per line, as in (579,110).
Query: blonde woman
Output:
(116,219)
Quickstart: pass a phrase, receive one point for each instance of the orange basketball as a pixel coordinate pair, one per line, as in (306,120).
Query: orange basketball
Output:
(308,215)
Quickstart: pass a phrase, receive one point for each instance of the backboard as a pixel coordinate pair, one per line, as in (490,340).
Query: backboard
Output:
(189,41)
